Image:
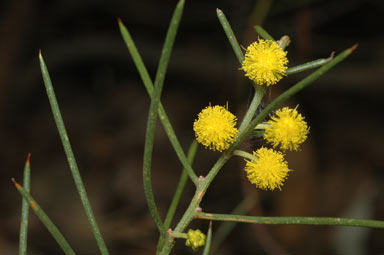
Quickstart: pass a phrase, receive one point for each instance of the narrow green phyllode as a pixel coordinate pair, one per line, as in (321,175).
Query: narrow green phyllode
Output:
(230,35)
(309,65)
(263,33)
(292,220)
(45,220)
(161,112)
(152,115)
(23,237)
(71,158)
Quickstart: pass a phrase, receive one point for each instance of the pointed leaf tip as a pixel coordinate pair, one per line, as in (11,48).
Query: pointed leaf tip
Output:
(18,186)
(218,10)
(40,55)
(28,158)
(119,21)
(353,47)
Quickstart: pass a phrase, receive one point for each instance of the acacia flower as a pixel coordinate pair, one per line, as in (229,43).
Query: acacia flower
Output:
(215,128)
(287,129)
(265,62)
(269,170)
(195,239)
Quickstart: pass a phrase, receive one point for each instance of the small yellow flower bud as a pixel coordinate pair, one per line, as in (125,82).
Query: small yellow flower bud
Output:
(195,239)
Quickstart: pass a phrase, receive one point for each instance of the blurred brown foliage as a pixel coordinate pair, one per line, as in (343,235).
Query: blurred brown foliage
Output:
(338,172)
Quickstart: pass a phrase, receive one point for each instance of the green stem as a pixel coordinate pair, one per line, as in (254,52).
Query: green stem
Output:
(152,116)
(161,112)
(208,241)
(259,93)
(263,33)
(292,220)
(176,197)
(45,220)
(71,158)
(194,204)
(309,65)
(25,209)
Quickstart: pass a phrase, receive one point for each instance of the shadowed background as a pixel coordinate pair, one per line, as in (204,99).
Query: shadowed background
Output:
(337,173)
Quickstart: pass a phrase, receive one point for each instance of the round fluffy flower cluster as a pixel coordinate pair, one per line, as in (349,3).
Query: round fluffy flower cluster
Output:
(268,171)
(215,128)
(195,239)
(265,62)
(286,129)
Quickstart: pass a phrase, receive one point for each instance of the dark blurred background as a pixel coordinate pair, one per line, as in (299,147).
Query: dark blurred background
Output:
(338,172)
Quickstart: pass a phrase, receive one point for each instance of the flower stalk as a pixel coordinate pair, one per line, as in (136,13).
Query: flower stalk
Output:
(244,154)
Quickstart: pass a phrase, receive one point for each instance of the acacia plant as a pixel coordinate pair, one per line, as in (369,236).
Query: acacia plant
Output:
(264,63)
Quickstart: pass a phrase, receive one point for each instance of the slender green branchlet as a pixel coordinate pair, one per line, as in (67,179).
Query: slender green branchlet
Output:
(71,157)
(45,220)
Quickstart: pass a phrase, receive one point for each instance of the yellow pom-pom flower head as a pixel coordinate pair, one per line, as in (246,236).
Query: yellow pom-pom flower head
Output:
(286,129)
(265,62)
(195,239)
(215,128)
(268,171)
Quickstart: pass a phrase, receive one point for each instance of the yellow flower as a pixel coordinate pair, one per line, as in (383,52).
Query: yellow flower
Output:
(287,129)
(195,239)
(265,62)
(269,170)
(215,128)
